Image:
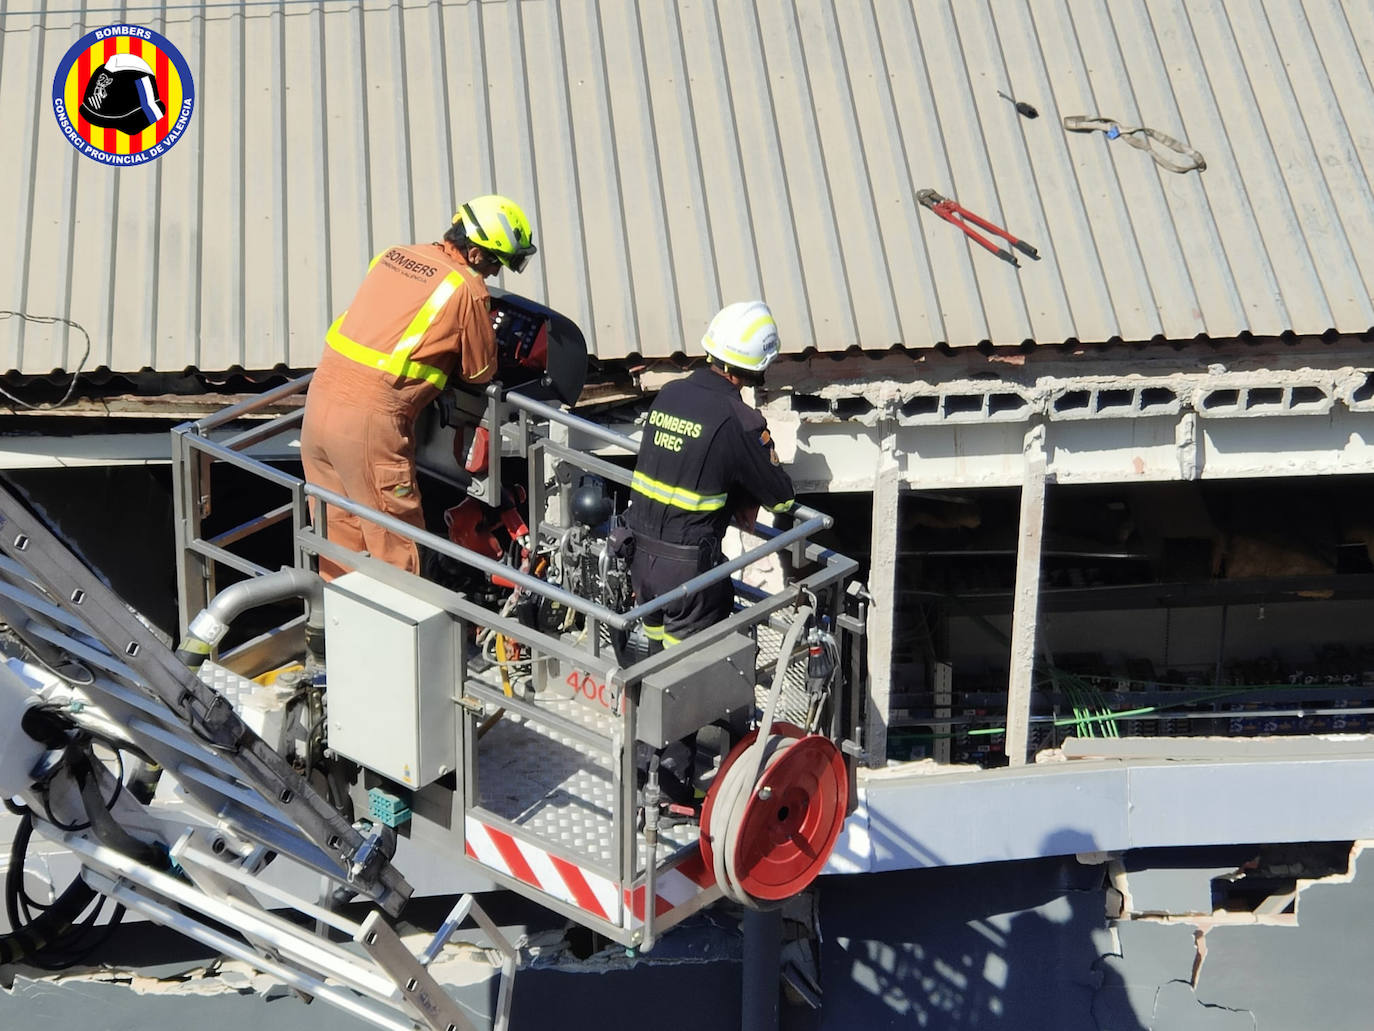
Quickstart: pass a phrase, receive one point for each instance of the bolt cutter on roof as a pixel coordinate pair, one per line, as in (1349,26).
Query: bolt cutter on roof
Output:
(956,214)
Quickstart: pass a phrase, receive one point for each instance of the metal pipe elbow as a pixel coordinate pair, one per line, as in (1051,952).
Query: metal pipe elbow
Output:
(213,622)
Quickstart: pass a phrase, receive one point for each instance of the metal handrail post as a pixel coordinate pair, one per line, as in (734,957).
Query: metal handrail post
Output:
(264,431)
(216,450)
(192,594)
(300,519)
(701,580)
(552,414)
(626,800)
(248,406)
(471,558)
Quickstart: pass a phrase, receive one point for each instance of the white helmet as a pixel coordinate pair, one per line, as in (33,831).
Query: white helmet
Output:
(743,336)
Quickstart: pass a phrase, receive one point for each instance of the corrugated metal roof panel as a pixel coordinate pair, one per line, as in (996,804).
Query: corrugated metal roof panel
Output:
(674,157)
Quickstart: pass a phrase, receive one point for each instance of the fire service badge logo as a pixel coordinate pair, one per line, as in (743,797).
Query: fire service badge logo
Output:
(123,95)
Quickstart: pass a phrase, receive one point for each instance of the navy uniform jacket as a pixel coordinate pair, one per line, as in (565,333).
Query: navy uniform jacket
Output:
(704,455)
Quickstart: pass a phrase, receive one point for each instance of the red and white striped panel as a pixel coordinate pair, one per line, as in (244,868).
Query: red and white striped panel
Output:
(551,874)
(578,886)
(672,888)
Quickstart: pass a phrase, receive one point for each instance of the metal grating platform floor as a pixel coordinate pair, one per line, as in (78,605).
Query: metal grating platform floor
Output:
(551,786)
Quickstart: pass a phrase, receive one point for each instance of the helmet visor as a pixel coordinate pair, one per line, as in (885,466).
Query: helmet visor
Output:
(517,262)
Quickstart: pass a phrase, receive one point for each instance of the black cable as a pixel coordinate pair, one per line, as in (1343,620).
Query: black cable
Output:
(87,681)
(79,940)
(14,876)
(30,653)
(47,813)
(19,905)
(28,906)
(26,940)
(49,320)
(27,653)
(58,935)
(83,938)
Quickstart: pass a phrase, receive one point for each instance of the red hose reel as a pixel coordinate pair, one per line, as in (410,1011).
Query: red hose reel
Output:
(773,814)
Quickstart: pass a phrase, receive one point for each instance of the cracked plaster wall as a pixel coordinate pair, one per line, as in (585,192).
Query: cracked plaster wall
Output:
(707,994)
(1278,973)
(1025,946)
(997,947)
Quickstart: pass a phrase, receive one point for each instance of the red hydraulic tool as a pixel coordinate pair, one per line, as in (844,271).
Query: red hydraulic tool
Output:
(955,213)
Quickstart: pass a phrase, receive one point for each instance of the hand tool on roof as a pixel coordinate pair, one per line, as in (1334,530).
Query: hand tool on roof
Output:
(1022,108)
(956,214)
(1142,138)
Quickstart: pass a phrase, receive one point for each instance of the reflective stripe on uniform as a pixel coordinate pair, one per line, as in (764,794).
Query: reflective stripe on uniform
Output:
(397,360)
(657,633)
(677,497)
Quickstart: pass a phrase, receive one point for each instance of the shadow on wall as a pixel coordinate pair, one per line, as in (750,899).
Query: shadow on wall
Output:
(1001,946)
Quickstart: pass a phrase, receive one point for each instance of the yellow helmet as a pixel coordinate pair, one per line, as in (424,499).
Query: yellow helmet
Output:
(497,224)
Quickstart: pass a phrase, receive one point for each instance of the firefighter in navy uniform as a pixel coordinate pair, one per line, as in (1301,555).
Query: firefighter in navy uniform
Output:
(705,458)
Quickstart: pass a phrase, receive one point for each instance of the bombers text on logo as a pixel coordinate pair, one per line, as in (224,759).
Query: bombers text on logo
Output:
(400,260)
(123,95)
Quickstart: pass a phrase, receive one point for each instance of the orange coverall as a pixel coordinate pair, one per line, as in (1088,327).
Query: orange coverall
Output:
(420,316)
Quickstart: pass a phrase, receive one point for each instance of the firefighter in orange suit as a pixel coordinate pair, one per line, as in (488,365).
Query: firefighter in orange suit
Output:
(420,317)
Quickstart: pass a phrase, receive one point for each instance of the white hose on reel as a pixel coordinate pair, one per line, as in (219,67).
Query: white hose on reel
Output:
(739,782)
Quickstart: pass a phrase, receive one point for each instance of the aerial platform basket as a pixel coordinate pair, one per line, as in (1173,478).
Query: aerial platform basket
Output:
(546,798)
(506,722)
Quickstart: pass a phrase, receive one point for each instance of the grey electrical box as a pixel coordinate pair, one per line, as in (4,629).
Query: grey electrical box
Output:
(697,689)
(391,663)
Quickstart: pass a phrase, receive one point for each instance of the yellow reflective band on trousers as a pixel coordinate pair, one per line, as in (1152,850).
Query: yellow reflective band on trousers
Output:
(657,633)
(678,497)
(397,360)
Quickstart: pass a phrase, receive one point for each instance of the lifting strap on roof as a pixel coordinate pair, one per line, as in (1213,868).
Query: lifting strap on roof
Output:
(1142,138)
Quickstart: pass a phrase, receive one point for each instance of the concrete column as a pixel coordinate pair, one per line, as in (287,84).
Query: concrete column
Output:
(1188,440)
(882,585)
(1026,611)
